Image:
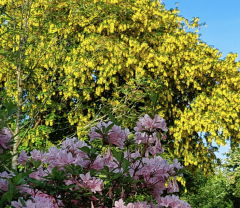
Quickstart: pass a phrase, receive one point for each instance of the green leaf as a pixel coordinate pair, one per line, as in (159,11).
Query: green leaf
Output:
(52,192)
(10,186)
(154,97)
(55,170)
(151,115)
(105,170)
(22,202)
(18,178)
(109,127)
(112,118)
(93,172)
(85,149)
(20,181)
(7,196)
(103,129)
(87,194)
(36,163)
(126,165)
(92,150)
(118,155)
(98,131)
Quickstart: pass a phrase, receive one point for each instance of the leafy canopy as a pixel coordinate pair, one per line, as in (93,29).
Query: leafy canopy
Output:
(118,42)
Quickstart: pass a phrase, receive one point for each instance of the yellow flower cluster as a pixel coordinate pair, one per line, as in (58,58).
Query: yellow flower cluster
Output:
(65,43)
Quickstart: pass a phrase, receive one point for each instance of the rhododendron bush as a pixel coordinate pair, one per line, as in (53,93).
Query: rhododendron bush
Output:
(76,175)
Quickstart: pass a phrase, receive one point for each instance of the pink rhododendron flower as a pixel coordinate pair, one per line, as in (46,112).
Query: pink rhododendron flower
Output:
(147,153)
(130,205)
(108,158)
(52,152)
(38,174)
(60,157)
(175,164)
(140,205)
(4,184)
(175,186)
(25,189)
(151,124)
(94,184)
(143,138)
(95,135)
(85,178)
(73,144)
(146,171)
(22,157)
(127,132)
(159,187)
(115,136)
(173,202)
(119,204)
(170,187)
(5,137)
(98,163)
(122,194)
(7,175)
(157,148)
(159,165)
(37,155)
(38,202)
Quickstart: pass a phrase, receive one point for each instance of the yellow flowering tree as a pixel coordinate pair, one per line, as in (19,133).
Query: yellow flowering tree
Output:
(34,54)
(117,40)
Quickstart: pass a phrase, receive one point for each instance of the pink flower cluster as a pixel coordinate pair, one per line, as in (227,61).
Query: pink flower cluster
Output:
(115,136)
(4,182)
(168,201)
(39,201)
(155,171)
(5,137)
(150,125)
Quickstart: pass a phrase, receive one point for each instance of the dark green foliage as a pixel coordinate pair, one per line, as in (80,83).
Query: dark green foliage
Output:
(212,194)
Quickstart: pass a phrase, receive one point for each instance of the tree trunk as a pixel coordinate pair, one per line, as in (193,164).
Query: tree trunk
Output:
(18,61)
(18,120)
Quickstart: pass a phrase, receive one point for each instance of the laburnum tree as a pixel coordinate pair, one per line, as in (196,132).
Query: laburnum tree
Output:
(119,41)
(31,54)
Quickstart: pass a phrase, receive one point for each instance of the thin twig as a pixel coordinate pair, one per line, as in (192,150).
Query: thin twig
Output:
(6,167)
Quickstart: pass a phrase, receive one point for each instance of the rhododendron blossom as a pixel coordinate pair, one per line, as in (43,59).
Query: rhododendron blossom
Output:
(22,157)
(37,155)
(5,137)
(93,184)
(4,182)
(38,202)
(146,123)
(173,202)
(120,204)
(115,136)
(153,170)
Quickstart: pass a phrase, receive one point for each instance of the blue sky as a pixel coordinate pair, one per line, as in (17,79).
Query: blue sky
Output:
(223,27)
